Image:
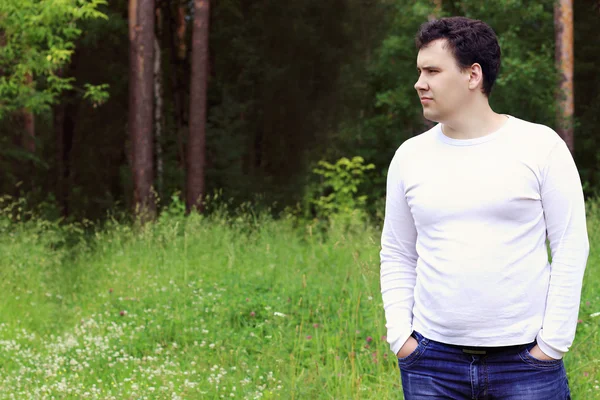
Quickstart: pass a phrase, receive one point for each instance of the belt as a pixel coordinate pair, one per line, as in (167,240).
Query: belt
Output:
(488,350)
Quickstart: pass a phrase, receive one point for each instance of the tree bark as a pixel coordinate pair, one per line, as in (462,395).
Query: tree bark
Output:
(180,81)
(181,25)
(141,36)
(158,93)
(563,27)
(197,128)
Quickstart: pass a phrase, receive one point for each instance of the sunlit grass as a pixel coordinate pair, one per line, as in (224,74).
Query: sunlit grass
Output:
(207,308)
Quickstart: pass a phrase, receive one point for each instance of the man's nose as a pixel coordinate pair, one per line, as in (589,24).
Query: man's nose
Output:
(420,84)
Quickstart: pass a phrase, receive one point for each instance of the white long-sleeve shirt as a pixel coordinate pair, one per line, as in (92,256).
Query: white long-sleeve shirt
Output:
(464,258)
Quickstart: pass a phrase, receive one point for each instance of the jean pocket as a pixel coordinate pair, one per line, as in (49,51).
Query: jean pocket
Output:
(536,362)
(416,354)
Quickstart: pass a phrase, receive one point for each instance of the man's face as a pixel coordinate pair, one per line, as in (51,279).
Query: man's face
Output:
(442,86)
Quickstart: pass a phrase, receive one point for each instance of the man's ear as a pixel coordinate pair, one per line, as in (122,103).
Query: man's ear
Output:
(475,76)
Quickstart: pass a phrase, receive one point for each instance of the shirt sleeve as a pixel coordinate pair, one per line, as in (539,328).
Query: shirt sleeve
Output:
(398,260)
(564,212)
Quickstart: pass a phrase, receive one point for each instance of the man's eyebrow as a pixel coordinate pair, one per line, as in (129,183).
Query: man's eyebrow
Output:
(427,67)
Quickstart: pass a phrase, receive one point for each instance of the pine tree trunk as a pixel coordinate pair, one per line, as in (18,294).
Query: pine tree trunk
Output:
(181,25)
(563,26)
(158,120)
(141,36)
(180,81)
(196,158)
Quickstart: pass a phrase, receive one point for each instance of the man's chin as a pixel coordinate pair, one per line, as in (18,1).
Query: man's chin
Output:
(430,117)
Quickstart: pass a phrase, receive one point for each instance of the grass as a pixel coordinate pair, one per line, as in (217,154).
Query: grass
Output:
(212,307)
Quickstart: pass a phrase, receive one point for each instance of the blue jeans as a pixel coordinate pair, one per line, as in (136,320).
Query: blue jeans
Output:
(439,371)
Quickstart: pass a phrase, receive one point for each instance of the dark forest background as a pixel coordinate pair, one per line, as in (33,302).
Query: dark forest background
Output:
(288,84)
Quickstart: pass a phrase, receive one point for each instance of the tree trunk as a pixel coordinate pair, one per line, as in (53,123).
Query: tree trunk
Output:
(181,25)
(197,127)
(141,37)
(180,80)
(158,104)
(563,27)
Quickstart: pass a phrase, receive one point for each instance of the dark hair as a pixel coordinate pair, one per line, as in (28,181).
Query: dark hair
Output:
(471,41)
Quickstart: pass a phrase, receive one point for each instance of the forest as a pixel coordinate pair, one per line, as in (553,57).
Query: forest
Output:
(118,105)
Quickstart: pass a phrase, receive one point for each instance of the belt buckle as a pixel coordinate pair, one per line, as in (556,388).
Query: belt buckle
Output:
(477,352)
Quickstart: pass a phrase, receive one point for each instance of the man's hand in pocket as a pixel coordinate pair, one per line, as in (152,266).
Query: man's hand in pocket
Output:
(536,352)
(409,346)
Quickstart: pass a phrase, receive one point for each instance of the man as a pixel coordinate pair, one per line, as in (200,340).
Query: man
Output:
(474,308)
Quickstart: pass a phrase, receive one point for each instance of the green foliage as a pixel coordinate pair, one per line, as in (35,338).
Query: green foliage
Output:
(525,87)
(300,82)
(587,94)
(37,39)
(527,61)
(175,209)
(341,181)
(97,94)
(390,111)
(276,94)
(528,65)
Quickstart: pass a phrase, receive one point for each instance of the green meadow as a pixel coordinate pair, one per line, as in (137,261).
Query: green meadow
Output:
(231,305)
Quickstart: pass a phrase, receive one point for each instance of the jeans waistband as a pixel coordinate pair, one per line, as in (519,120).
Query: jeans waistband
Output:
(487,350)
(479,350)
